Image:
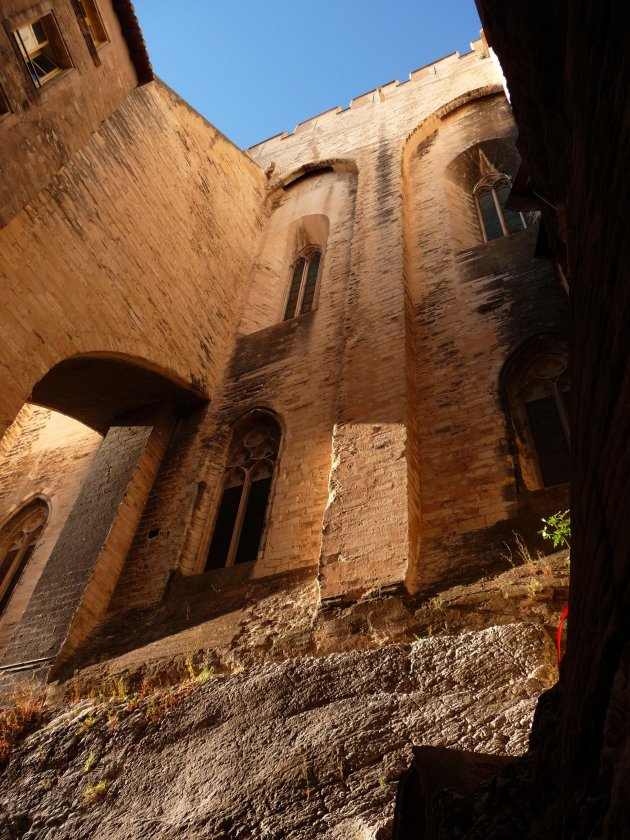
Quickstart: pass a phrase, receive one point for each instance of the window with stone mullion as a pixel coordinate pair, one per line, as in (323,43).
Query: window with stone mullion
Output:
(496,220)
(310,284)
(303,285)
(294,291)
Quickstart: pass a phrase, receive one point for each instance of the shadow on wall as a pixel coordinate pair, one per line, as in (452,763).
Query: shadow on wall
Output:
(95,389)
(45,458)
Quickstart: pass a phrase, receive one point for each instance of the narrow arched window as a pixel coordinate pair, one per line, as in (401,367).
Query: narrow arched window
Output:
(246,492)
(539,395)
(18,539)
(546,395)
(304,276)
(495,219)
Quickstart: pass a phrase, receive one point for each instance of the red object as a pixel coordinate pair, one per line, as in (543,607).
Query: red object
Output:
(565,613)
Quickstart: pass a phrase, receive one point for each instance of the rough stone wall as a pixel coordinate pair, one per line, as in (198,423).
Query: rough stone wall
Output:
(290,367)
(422,470)
(471,308)
(387,392)
(365,539)
(303,749)
(50,455)
(569,82)
(235,623)
(79,577)
(143,242)
(46,126)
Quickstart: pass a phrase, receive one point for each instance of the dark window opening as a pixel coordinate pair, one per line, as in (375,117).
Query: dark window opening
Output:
(294,291)
(18,540)
(4,104)
(92,18)
(513,219)
(303,285)
(538,390)
(489,215)
(247,484)
(224,528)
(549,440)
(42,49)
(310,283)
(253,521)
(495,219)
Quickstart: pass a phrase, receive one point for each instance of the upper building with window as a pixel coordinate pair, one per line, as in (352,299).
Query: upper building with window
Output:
(75,62)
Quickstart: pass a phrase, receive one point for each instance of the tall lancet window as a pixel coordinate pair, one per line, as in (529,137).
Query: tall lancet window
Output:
(545,392)
(304,276)
(539,395)
(18,539)
(491,194)
(247,485)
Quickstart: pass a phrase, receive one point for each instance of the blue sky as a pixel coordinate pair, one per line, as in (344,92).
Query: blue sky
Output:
(255,69)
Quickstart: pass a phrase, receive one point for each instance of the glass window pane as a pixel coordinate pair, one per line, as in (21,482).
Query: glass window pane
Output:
(254,521)
(39,33)
(224,528)
(94,22)
(489,216)
(294,292)
(44,64)
(311,283)
(513,220)
(9,584)
(549,439)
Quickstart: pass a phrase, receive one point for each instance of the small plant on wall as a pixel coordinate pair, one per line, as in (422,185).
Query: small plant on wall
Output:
(557,528)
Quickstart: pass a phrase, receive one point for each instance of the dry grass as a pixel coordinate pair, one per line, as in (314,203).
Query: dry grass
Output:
(20,716)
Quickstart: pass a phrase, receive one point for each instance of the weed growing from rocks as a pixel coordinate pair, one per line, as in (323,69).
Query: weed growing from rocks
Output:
(20,716)
(557,528)
(86,724)
(96,792)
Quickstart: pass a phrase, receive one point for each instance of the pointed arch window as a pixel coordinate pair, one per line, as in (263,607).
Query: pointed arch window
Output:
(304,277)
(18,540)
(491,194)
(540,399)
(247,486)
(546,395)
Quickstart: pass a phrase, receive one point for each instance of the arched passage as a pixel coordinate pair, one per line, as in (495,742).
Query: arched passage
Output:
(95,389)
(136,410)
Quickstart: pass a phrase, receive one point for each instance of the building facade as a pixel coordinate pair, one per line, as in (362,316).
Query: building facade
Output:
(333,358)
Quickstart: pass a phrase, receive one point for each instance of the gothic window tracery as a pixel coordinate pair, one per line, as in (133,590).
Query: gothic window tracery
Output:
(18,539)
(247,485)
(304,277)
(491,194)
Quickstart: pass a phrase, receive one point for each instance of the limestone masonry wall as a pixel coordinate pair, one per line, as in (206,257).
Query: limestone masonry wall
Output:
(49,458)
(46,126)
(142,243)
(162,244)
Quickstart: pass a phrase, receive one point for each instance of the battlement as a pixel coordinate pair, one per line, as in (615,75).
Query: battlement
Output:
(382,92)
